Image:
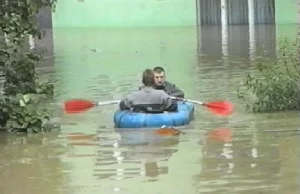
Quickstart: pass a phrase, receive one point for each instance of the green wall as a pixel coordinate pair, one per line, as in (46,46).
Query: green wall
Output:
(286,11)
(286,19)
(128,13)
(137,13)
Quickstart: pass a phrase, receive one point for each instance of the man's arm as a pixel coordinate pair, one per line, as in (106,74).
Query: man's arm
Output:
(177,92)
(173,90)
(169,104)
(125,104)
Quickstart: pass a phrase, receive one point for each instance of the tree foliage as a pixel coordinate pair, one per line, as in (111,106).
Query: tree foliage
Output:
(23,92)
(274,84)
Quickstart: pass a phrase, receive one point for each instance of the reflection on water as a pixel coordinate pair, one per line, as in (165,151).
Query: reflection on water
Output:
(28,164)
(241,162)
(139,149)
(253,161)
(215,155)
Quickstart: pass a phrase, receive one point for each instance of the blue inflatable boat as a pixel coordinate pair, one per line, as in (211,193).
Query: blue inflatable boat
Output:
(129,119)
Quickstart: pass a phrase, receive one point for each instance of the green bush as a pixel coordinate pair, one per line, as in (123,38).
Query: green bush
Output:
(274,83)
(22,104)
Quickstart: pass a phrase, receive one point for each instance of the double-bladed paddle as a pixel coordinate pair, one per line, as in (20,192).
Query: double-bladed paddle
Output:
(223,108)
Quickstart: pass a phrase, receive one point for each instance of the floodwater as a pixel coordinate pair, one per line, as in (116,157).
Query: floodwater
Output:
(239,154)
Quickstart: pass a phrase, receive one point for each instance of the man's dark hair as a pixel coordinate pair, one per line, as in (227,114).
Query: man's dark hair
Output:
(148,78)
(158,69)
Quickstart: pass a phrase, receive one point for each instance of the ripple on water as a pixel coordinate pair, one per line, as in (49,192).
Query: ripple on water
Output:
(90,156)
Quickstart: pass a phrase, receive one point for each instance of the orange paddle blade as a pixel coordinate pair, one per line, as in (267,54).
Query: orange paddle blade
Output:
(75,106)
(220,107)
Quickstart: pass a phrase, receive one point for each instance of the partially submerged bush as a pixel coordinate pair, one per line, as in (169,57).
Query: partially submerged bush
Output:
(21,105)
(274,84)
(24,112)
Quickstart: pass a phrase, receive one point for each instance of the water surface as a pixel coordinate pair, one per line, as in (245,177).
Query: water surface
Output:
(90,156)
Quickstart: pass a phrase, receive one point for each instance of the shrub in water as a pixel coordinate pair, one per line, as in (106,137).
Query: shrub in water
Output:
(23,93)
(274,84)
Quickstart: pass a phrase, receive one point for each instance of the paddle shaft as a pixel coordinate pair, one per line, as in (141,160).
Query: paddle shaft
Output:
(108,102)
(175,98)
(188,100)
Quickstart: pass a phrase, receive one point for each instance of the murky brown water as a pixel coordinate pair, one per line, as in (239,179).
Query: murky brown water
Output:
(89,156)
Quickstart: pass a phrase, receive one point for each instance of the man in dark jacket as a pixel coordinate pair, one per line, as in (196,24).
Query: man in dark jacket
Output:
(148,99)
(161,84)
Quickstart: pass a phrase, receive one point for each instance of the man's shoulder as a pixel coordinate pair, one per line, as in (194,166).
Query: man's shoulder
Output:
(135,92)
(143,90)
(162,93)
(159,91)
(167,83)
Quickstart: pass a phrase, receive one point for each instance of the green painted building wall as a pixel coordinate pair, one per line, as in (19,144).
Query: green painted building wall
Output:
(128,13)
(286,19)
(286,11)
(137,13)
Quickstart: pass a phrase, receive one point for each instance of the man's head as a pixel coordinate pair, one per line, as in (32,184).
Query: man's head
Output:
(148,78)
(159,76)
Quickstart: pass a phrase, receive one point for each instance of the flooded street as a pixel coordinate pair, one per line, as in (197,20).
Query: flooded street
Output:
(240,154)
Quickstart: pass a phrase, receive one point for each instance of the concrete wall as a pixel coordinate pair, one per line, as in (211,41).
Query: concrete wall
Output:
(128,13)
(45,22)
(45,18)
